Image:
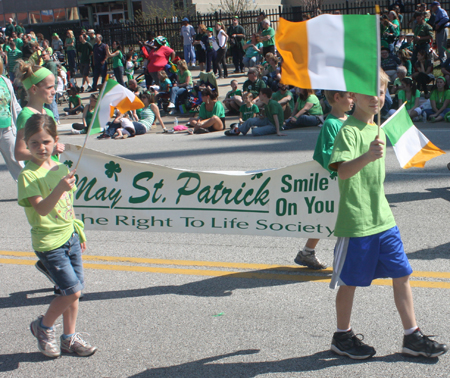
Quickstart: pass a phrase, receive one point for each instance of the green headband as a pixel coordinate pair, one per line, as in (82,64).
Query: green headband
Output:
(441,77)
(36,78)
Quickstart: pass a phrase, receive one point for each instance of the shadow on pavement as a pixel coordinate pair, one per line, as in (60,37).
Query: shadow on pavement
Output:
(432,193)
(318,361)
(10,362)
(212,287)
(439,252)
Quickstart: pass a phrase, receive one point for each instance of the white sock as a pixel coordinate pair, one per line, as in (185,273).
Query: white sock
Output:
(410,330)
(343,330)
(306,249)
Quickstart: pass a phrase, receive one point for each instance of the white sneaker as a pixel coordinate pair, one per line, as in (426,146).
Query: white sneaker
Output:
(76,131)
(170,106)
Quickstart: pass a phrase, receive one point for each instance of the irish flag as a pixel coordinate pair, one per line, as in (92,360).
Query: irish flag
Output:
(411,147)
(113,95)
(336,52)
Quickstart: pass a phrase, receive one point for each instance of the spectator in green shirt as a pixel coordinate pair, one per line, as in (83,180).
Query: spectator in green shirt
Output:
(85,50)
(117,63)
(75,104)
(271,123)
(233,99)
(14,54)
(267,37)
(17,40)
(308,111)
(254,84)
(211,116)
(285,99)
(71,52)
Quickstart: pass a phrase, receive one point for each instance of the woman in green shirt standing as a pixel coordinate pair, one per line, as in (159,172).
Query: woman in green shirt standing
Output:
(307,112)
(211,116)
(117,61)
(71,52)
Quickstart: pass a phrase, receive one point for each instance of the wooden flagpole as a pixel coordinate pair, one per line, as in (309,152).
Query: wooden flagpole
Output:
(377,15)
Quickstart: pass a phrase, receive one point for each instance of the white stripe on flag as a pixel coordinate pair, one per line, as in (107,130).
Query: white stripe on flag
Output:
(409,145)
(326,52)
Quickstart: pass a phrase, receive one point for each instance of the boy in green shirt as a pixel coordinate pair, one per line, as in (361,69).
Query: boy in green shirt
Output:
(248,109)
(270,124)
(233,99)
(369,244)
(341,102)
(285,99)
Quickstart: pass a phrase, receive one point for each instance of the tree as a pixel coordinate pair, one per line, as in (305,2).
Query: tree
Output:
(234,6)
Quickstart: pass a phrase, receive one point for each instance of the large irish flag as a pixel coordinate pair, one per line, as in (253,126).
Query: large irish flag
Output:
(113,96)
(411,147)
(336,52)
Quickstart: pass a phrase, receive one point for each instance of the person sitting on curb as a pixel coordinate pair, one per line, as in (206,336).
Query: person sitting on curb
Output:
(211,116)
(233,99)
(270,124)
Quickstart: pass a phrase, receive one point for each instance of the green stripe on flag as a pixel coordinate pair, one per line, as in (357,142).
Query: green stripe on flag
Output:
(360,48)
(397,125)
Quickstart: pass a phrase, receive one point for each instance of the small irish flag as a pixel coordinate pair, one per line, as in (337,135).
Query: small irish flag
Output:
(113,95)
(336,52)
(411,147)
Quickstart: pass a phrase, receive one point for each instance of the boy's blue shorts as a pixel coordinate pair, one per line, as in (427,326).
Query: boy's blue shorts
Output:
(358,261)
(65,265)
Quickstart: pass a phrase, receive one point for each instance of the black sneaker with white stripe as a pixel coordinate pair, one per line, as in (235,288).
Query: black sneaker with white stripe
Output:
(41,267)
(350,345)
(418,344)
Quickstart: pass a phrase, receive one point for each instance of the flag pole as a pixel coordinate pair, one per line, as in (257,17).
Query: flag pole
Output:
(377,15)
(92,122)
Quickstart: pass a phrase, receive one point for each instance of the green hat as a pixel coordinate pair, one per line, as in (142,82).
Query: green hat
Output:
(210,29)
(54,34)
(235,16)
(161,40)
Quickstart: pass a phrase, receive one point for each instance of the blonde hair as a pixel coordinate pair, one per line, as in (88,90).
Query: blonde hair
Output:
(384,79)
(202,28)
(25,69)
(182,64)
(330,95)
(70,33)
(163,74)
(40,122)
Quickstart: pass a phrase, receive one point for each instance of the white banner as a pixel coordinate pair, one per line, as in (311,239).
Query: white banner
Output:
(116,194)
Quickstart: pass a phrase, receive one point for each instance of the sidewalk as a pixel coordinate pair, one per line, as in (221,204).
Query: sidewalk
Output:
(224,86)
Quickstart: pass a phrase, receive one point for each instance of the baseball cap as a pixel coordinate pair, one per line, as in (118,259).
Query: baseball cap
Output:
(185,19)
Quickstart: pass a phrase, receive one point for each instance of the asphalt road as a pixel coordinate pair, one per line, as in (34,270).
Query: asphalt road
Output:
(197,305)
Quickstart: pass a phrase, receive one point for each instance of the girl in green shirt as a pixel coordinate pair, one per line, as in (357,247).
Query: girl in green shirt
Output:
(117,64)
(184,82)
(308,111)
(39,83)
(71,52)
(81,128)
(211,116)
(439,100)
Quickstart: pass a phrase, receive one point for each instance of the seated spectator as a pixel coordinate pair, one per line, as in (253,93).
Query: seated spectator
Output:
(254,85)
(423,72)
(135,88)
(401,74)
(389,63)
(165,86)
(88,113)
(408,44)
(148,114)
(439,100)
(75,103)
(126,129)
(387,33)
(405,59)
(411,95)
(272,74)
(180,88)
(285,99)
(211,116)
(233,99)
(445,69)
(253,52)
(248,109)
(271,123)
(307,112)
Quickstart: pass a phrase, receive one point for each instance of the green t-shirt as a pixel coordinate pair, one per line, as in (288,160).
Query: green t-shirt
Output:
(237,92)
(85,49)
(248,113)
(409,103)
(397,82)
(13,57)
(440,97)
(23,118)
(397,29)
(218,111)
(75,100)
(5,105)
(363,207)
(254,87)
(277,96)
(271,41)
(272,108)
(70,40)
(312,99)
(117,60)
(53,230)
(19,43)
(325,142)
(183,76)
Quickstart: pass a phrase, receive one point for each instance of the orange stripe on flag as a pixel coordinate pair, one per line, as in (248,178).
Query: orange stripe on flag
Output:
(428,152)
(292,43)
